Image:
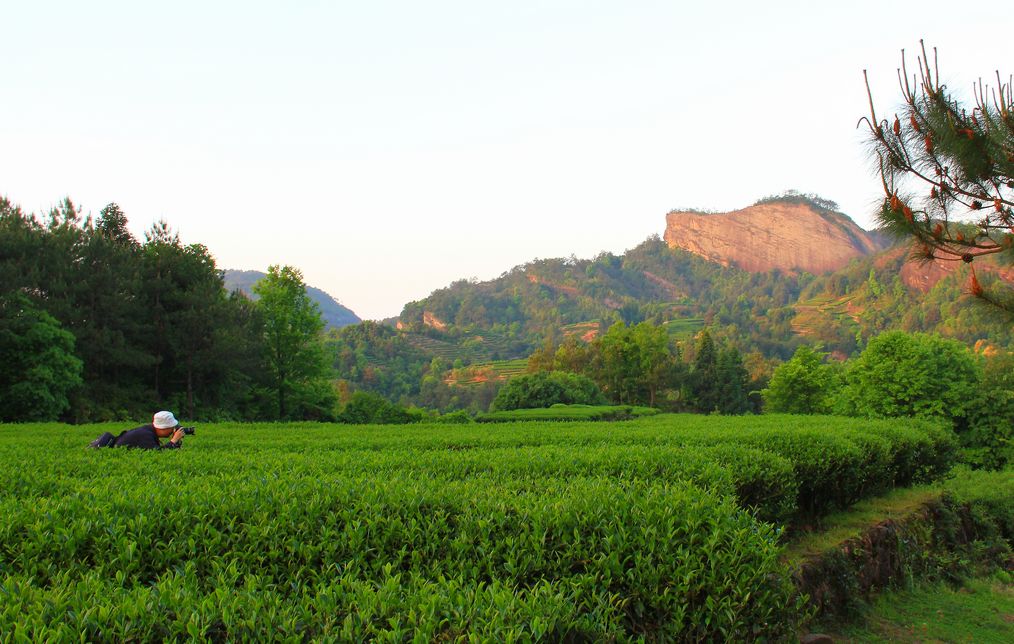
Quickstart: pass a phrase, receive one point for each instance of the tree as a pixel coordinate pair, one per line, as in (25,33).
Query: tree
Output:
(38,368)
(947,171)
(803,385)
(296,361)
(633,364)
(920,375)
(109,319)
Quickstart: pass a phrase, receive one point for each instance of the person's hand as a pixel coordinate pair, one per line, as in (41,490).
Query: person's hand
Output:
(177,436)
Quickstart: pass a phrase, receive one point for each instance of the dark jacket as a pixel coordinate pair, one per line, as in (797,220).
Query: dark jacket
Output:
(142,437)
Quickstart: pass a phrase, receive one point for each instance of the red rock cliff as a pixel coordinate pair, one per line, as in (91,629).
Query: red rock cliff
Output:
(792,237)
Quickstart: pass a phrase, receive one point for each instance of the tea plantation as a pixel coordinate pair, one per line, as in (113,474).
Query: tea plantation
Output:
(659,528)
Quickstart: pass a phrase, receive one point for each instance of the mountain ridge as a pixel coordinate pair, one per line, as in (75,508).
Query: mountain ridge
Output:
(334,314)
(666,283)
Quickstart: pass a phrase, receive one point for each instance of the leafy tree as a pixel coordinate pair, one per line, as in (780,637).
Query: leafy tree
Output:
(296,360)
(38,368)
(948,172)
(547,388)
(803,385)
(633,364)
(657,363)
(920,375)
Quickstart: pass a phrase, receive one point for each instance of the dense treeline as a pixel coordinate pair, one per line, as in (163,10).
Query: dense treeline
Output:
(96,325)
(641,364)
(377,358)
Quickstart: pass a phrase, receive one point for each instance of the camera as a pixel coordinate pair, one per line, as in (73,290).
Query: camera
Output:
(188,431)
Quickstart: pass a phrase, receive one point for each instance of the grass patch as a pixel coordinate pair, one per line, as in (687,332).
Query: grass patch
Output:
(980,610)
(837,528)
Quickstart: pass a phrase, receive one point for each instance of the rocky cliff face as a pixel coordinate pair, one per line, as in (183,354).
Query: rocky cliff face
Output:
(792,237)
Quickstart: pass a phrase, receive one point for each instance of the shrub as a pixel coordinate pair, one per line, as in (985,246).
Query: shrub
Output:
(545,388)
(917,375)
(365,408)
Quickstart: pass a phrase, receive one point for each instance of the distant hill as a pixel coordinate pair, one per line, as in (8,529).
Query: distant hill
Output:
(334,314)
(479,333)
(769,277)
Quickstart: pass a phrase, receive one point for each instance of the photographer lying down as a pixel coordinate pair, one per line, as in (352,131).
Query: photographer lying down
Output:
(163,425)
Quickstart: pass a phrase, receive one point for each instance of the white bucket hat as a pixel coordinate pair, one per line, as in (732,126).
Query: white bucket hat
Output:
(164,420)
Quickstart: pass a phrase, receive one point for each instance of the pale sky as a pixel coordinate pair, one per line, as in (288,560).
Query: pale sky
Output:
(387,148)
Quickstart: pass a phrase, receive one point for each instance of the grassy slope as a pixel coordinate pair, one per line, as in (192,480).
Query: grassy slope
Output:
(839,527)
(981,610)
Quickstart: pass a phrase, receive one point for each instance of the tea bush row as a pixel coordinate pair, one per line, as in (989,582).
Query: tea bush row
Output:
(590,531)
(629,556)
(571,413)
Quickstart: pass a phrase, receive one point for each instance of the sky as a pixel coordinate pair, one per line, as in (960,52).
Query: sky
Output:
(387,148)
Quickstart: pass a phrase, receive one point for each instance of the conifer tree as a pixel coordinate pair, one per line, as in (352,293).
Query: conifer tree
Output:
(948,172)
(704,382)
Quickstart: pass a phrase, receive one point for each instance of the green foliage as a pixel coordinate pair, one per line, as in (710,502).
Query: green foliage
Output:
(989,441)
(547,388)
(836,460)
(939,540)
(991,493)
(459,417)
(365,408)
(189,314)
(803,385)
(534,302)
(38,368)
(151,322)
(918,375)
(733,381)
(704,379)
(634,363)
(978,610)
(295,357)
(335,315)
(796,197)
